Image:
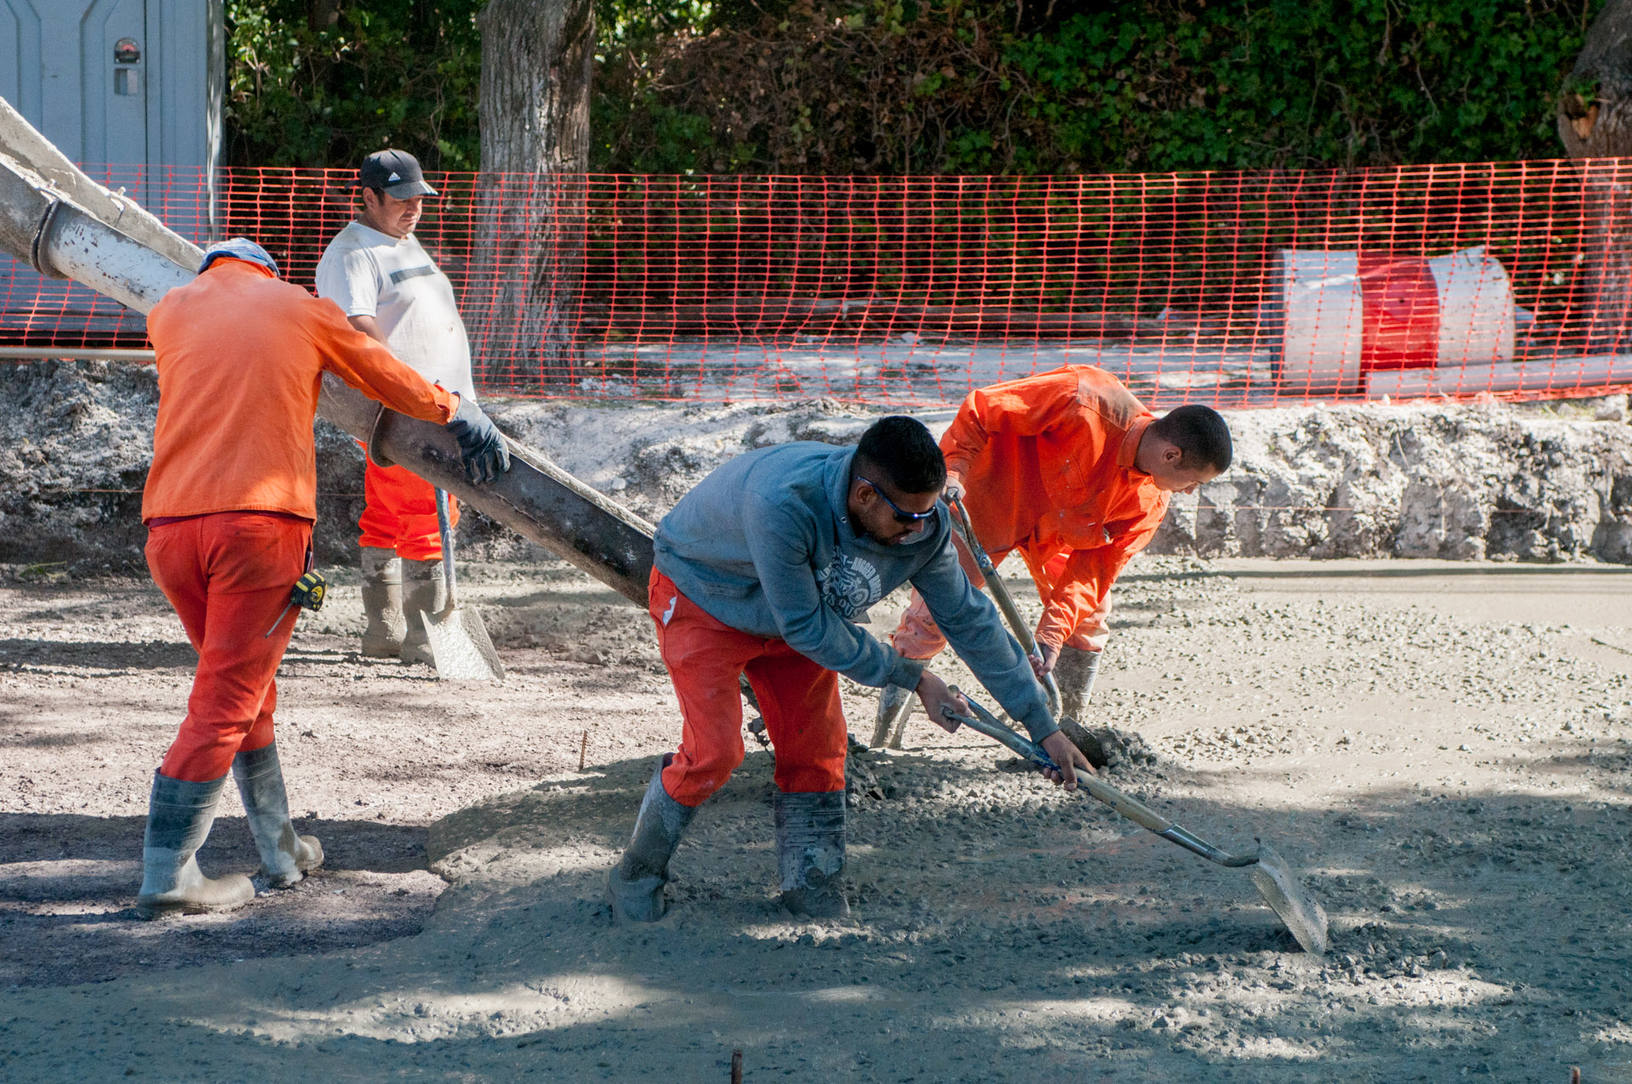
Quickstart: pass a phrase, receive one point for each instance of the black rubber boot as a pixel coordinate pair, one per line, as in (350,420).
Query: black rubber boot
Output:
(179,815)
(423,592)
(635,885)
(382,604)
(810,852)
(285,856)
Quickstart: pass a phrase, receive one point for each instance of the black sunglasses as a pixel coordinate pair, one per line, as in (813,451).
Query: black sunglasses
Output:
(901,514)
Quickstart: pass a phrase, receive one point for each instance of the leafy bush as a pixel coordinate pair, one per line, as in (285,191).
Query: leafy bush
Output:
(935,86)
(322,83)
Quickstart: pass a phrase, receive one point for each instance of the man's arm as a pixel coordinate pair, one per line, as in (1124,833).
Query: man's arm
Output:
(371,368)
(1086,582)
(1025,408)
(368,326)
(972,626)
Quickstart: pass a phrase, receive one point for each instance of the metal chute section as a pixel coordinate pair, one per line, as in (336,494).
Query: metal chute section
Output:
(51,216)
(21,145)
(535,498)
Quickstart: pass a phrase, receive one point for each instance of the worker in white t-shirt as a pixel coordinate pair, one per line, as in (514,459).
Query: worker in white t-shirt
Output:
(390,289)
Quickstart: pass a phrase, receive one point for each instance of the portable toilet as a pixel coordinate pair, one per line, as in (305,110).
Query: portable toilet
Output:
(133,92)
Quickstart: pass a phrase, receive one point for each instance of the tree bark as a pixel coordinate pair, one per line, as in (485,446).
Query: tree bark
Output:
(1595,122)
(536,63)
(1595,108)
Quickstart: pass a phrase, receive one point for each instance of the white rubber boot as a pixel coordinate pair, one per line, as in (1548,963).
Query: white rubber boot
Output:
(894,705)
(810,852)
(1075,672)
(285,856)
(382,604)
(179,815)
(635,885)
(423,591)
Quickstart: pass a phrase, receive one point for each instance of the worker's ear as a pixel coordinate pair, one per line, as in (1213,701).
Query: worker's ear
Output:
(1172,455)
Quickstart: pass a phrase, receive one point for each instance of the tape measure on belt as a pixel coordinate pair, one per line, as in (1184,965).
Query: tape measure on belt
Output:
(307,593)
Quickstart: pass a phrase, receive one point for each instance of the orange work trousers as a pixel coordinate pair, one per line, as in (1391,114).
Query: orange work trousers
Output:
(798,699)
(228,575)
(917,636)
(399,513)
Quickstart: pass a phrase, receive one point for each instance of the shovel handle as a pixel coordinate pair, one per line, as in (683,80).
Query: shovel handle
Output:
(1000,593)
(445,529)
(1129,807)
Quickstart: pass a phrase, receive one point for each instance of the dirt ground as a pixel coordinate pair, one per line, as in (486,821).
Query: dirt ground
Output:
(1443,749)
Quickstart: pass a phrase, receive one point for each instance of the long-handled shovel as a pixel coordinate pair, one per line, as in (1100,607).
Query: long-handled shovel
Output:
(1275,880)
(1005,603)
(1000,594)
(459,641)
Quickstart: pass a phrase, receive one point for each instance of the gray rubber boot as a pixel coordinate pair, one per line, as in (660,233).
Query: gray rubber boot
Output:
(285,856)
(179,815)
(382,603)
(635,885)
(422,592)
(1075,672)
(810,852)
(894,705)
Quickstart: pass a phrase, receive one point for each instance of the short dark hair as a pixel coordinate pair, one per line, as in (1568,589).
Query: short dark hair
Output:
(1199,433)
(902,450)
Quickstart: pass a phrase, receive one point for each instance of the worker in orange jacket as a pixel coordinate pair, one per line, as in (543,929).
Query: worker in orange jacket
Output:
(1071,470)
(229,506)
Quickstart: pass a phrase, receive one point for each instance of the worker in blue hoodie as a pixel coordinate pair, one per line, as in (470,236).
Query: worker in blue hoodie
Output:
(763,570)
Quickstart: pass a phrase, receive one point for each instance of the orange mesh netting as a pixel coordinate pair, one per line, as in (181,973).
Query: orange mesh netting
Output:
(1247,289)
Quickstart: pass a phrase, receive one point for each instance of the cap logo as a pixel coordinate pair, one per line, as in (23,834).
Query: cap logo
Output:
(395,177)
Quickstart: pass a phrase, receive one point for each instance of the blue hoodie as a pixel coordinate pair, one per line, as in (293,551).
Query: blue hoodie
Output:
(765,545)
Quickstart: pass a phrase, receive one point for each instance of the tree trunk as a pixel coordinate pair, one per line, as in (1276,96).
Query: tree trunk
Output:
(1595,121)
(536,64)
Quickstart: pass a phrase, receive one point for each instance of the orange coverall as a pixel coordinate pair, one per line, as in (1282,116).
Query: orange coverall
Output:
(399,512)
(798,698)
(1047,468)
(232,492)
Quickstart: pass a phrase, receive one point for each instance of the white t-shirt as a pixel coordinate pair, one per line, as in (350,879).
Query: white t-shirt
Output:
(369,273)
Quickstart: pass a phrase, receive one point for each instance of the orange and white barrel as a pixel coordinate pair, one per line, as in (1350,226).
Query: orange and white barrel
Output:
(1345,315)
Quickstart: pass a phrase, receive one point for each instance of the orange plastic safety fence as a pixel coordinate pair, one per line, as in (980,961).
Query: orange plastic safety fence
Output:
(1249,289)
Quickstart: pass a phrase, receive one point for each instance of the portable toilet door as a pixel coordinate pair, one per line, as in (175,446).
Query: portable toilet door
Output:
(132,91)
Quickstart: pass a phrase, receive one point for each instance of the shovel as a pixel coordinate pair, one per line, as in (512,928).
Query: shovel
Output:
(1005,602)
(459,641)
(1275,880)
(1000,593)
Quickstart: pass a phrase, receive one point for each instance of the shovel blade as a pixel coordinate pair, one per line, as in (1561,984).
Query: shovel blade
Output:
(461,647)
(1299,911)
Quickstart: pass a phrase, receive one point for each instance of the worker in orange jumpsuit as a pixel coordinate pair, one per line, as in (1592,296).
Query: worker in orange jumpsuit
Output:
(229,506)
(1071,470)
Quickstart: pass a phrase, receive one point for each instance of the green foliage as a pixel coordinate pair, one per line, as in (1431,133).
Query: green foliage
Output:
(951,86)
(934,86)
(324,82)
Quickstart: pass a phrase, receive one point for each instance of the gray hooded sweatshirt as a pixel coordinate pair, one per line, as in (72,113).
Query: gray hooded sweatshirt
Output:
(765,545)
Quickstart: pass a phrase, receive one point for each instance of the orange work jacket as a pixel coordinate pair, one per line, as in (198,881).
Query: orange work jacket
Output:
(241,355)
(1047,468)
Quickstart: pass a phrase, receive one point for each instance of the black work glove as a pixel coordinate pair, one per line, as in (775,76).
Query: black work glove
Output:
(481,445)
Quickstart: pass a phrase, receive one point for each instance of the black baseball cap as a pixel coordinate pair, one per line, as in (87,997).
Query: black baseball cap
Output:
(397,172)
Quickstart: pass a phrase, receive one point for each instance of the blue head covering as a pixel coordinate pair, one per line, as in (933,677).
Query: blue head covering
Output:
(239,248)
